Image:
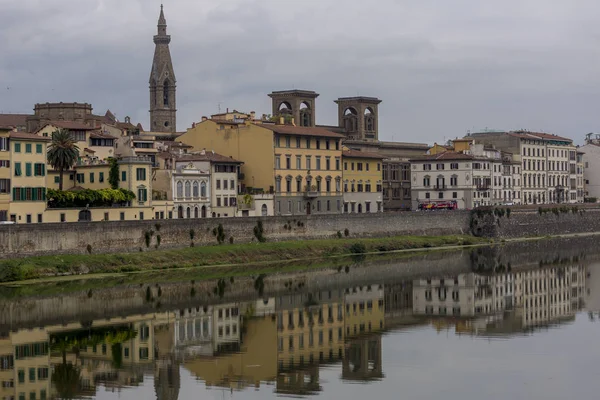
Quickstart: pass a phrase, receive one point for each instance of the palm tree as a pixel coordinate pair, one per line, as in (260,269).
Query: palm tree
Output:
(62,153)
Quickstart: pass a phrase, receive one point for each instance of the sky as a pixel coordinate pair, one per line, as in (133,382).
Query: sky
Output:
(442,68)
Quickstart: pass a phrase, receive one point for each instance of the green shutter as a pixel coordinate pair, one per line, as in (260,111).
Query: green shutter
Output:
(17,169)
(17,147)
(23,193)
(28,169)
(34,194)
(38,148)
(27,147)
(14,193)
(101,177)
(145,193)
(123,176)
(91,177)
(43,193)
(43,169)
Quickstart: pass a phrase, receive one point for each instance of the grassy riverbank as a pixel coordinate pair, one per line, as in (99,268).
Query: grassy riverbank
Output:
(223,255)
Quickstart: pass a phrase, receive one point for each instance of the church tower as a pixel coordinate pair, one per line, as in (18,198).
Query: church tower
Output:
(163,112)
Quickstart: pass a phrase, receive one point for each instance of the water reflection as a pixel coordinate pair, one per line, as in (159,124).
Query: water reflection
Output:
(284,342)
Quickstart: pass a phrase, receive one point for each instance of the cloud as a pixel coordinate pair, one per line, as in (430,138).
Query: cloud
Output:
(440,68)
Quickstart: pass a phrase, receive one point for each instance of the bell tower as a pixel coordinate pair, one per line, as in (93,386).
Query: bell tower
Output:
(163,111)
(358,116)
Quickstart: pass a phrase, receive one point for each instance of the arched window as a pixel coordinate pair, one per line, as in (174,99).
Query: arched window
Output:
(350,119)
(369,120)
(263,210)
(203,189)
(187,189)
(179,189)
(166,93)
(195,189)
(188,213)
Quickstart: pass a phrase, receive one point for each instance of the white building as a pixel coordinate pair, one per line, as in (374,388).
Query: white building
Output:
(255,205)
(191,187)
(591,161)
(551,168)
(466,180)
(224,177)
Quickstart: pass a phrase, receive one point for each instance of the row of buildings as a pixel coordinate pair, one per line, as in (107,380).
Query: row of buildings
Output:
(284,341)
(235,164)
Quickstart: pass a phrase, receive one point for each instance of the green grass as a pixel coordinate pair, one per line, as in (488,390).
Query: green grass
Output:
(223,255)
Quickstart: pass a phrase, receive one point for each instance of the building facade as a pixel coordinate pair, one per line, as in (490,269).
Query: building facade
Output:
(362,185)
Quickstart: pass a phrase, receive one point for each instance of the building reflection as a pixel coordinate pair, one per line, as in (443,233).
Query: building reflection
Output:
(283,341)
(501,302)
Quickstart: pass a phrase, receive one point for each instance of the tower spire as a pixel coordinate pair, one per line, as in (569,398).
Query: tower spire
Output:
(162,82)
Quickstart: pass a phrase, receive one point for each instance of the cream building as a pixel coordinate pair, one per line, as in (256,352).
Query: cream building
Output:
(191,187)
(548,164)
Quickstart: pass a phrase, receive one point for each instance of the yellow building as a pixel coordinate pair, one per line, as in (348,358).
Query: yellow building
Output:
(300,165)
(28,177)
(363,189)
(91,142)
(5,172)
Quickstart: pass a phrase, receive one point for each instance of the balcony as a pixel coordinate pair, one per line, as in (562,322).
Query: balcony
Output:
(440,187)
(483,187)
(311,194)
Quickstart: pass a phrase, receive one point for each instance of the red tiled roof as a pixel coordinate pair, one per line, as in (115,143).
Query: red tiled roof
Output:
(208,156)
(361,154)
(73,125)
(88,150)
(13,119)
(538,135)
(301,130)
(100,135)
(29,136)
(447,155)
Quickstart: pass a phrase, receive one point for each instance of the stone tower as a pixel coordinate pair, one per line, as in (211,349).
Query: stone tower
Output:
(163,111)
(300,104)
(358,117)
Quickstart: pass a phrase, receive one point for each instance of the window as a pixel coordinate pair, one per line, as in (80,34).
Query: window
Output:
(39,218)
(140,174)
(143,194)
(218,182)
(359,166)
(308,143)
(17,147)
(277,141)
(27,169)
(123,176)
(4,185)
(143,353)
(101,177)
(454,166)
(298,162)
(426,167)
(297,142)
(122,216)
(318,144)
(27,147)
(4,144)
(225,184)
(308,166)
(327,163)
(232,184)
(337,164)
(18,169)
(287,141)
(318,167)
(91,177)
(277,163)
(38,148)
(288,162)
(80,178)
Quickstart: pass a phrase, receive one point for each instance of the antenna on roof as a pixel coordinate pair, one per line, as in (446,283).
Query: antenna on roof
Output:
(219,107)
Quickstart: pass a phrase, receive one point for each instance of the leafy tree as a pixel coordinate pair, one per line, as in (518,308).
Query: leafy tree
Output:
(113,173)
(62,153)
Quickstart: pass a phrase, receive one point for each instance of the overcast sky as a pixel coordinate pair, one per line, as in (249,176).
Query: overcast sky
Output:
(441,67)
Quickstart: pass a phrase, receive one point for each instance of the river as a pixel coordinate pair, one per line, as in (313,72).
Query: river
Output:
(514,322)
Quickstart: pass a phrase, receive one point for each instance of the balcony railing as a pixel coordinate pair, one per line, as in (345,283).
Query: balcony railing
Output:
(440,187)
(483,187)
(311,194)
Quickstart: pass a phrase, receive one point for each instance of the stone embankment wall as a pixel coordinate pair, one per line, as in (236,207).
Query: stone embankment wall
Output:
(532,222)
(126,236)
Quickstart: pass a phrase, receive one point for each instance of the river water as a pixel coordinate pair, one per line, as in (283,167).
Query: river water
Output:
(524,330)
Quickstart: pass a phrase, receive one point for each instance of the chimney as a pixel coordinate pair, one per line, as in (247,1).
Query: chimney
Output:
(227,110)
(204,118)
(281,120)
(193,125)
(293,122)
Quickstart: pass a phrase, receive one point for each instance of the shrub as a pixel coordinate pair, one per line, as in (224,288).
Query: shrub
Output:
(346,232)
(147,237)
(192,234)
(93,198)
(357,248)
(157,226)
(220,234)
(158,239)
(89,248)
(339,234)
(230,239)
(259,232)
(508,213)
